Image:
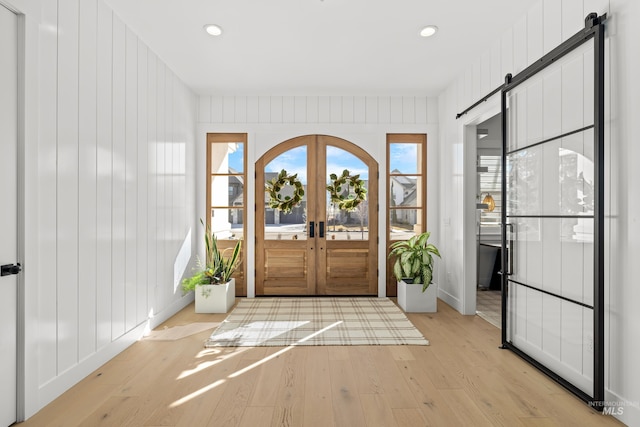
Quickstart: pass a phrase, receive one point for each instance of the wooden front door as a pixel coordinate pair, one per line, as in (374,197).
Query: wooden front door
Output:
(316,249)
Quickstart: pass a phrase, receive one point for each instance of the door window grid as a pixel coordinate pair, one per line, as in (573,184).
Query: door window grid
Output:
(561,190)
(226,199)
(406,192)
(226,194)
(406,184)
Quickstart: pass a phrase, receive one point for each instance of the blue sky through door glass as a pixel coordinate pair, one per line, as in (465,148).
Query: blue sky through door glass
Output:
(293,161)
(339,160)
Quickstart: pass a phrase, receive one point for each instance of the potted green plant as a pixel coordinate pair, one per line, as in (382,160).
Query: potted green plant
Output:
(215,289)
(413,268)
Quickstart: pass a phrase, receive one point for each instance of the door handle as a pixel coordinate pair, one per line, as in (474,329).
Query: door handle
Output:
(510,249)
(312,231)
(9,269)
(321,229)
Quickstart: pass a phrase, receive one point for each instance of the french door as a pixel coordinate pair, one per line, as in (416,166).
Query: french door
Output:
(316,249)
(553,224)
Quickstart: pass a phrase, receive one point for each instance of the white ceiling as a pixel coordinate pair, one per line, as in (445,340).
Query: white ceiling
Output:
(319,47)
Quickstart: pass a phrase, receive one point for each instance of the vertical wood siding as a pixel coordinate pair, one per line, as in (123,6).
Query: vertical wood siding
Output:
(116,134)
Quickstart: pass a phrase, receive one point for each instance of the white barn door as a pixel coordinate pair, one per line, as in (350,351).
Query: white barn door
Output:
(8,213)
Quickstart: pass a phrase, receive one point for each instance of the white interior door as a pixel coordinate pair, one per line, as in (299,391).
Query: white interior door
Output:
(8,212)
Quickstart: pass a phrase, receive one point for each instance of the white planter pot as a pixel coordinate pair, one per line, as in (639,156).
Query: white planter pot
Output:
(413,300)
(215,298)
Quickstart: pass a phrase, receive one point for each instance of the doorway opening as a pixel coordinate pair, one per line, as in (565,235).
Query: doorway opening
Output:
(488,217)
(313,246)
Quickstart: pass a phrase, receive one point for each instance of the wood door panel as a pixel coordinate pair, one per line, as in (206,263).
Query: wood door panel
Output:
(347,263)
(315,265)
(285,263)
(282,288)
(350,269)
(348,288)
(283,267)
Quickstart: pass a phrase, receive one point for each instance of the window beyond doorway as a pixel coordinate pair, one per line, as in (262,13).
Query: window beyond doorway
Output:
(489,184)
(406,192)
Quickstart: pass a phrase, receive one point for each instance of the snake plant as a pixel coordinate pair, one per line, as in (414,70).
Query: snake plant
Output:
(218,268)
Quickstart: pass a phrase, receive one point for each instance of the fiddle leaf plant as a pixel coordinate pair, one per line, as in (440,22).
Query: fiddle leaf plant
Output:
(414,260)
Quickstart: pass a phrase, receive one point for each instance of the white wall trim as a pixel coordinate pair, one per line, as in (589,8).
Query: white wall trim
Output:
(29,18)
(21,365)
(630,409)
(468,124)
(453,301)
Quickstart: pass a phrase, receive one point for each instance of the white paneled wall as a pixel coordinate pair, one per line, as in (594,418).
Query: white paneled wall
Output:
(116,195)
(548,23)
(356,110)
(87,168)
(362,120)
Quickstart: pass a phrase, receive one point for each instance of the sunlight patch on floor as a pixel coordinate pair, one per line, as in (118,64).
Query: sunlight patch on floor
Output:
(205,365)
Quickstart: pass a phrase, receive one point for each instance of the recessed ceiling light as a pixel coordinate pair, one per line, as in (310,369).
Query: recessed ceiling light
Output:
(428,31)
(213,29)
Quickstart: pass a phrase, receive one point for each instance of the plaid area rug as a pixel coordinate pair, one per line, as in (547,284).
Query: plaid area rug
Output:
(257,322)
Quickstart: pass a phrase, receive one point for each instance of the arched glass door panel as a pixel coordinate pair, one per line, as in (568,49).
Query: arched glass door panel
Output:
(291,225)
(341,224)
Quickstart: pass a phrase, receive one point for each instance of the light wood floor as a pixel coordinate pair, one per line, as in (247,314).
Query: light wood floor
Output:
(461,379)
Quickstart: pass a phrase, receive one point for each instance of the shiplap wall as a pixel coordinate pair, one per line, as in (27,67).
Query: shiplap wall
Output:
(318,109)
(116,190)
(547,24)
(362,120)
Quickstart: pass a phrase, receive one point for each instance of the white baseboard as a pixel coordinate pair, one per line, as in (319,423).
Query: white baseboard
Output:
(172,309)
(450,299)
(65,380)
(624,410)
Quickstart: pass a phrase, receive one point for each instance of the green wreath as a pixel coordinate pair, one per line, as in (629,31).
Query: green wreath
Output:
(349,202)
(274,186)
